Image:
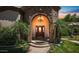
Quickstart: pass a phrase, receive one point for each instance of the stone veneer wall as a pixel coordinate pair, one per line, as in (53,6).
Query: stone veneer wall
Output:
(8,18)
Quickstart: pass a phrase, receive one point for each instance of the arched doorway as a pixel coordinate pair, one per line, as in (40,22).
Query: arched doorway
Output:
(40,27)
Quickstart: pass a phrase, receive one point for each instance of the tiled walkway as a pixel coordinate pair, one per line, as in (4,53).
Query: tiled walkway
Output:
(38,50)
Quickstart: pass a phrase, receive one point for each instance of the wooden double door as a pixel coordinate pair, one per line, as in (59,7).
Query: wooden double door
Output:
(40,30)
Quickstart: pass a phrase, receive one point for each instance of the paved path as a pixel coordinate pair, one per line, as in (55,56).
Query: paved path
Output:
(38,50)
(39,46)
(74,41)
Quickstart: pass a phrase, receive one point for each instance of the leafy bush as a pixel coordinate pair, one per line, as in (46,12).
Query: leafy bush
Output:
(22,29)
(8,36)
(22,44)
(63,27)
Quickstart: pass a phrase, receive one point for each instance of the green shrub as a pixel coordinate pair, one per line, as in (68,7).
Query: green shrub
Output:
(22,44)
(22,29)
(7,36)
(63,28)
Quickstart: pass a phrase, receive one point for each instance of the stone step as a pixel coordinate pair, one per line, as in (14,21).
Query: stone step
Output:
(39,45)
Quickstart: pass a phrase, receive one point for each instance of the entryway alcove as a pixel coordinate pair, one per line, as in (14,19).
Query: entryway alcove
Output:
(40,27)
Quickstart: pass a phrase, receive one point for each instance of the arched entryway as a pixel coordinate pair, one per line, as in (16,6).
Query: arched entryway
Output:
(40,27)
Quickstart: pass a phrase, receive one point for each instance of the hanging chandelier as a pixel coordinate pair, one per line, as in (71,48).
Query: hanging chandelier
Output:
(40,19)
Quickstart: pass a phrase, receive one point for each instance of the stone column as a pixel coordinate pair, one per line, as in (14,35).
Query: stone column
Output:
(57,35)
(51,32)
(29,34)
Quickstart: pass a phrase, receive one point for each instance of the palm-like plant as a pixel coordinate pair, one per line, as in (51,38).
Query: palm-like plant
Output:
(22,29)
(63,27)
